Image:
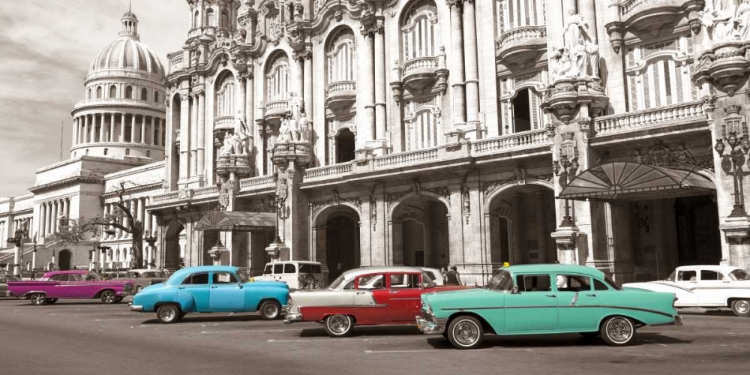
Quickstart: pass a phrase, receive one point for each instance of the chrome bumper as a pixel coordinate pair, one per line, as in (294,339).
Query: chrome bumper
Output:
(292,317)
(133,307)
(429,327)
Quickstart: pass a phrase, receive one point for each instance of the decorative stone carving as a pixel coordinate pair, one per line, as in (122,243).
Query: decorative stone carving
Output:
(441,191)
(373,210)
(391,198)
(521,175)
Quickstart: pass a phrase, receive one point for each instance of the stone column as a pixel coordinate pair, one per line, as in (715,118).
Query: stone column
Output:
(100,126)
(184,138)
(143,130)
(588,10)
(365,92)
(122,127)
(380,84)
(43,219)
(457,59)
(200,146)
(249,103)
(55,210)
(472,69)
(74,136)
(132,129)
(153,131)
(297,84)
(541,227)
(85,129)
(308,87)
(193,135)
(50,214)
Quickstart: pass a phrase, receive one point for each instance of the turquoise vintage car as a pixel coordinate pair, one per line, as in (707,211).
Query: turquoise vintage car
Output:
(545,299)
(211,289)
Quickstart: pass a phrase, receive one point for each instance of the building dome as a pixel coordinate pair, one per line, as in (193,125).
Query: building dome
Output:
(127,55)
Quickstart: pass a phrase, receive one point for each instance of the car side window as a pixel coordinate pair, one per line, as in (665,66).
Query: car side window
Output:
(224,278)
(278,269)
(290,268)
(371,282)
(686,276)
(268,270)
(349,285)
(598,285)
(62,277)
(534,283)
(404,281)
(75,277)
(711,275)
(196,279)
(572,283)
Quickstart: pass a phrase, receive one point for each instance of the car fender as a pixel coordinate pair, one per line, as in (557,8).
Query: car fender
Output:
(185,301)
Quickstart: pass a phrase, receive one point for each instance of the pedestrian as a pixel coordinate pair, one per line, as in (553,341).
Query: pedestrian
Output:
(453,277)
(444,271)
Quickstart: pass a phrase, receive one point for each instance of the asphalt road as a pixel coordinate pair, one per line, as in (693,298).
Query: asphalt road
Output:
(90,338)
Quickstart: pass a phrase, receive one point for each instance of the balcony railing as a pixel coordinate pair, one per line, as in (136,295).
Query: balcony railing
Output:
(208,190)
(420,63)
(166,197)
(277,105)
(511,142)
(522,33)
(340,86)
(121,101)
(406,158)
(223,123)
(329,171)
(631,121)
(255,183)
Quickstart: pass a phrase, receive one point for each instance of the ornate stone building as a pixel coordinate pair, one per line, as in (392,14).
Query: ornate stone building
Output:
(458,132)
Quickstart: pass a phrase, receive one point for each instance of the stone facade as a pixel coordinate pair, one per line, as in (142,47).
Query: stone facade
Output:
(459,132)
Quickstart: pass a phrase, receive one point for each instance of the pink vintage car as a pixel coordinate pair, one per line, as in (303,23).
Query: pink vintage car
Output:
(77,284)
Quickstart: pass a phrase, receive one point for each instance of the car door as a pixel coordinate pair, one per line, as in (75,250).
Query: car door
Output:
(686,283)
(578,304)
(371,299)
(196,286)
(61,287)
(534,307)
(289,275)
(278,271)
(225,293)
(712,288)
(404,296)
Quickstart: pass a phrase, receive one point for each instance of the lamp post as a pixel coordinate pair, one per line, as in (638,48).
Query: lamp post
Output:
(17,240)
(151,240)
(566,167)
(739,145)
(102,250)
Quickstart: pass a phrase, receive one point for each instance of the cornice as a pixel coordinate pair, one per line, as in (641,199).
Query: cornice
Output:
(136,189)
(67,181)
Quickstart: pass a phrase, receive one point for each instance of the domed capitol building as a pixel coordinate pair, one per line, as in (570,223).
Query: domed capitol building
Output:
(413,132)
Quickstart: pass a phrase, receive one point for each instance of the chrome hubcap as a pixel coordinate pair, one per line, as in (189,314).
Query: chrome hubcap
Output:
(167,314)
(37,299)
(619,330)
(466,333)
(270,310)
(742,306)
(339,324)
(108,297)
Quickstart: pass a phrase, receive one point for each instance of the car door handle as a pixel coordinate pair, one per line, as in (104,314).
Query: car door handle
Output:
(182,287)
(394,291)
(591,295)
(552,295)
(214,287)
(360,293)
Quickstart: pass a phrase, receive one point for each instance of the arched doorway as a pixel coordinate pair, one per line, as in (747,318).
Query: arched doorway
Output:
(521,220)
(345,146)
(172,247)
(420,233)
(337,240)
(65,260)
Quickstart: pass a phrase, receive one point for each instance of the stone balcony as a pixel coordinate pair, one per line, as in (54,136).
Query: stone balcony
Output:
(644,16)
(521,45)
(649,122)
(421,74)
(276,110)
(120,102)
(341,95)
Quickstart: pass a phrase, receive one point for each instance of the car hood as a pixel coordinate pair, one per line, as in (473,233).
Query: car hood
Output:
(258,283)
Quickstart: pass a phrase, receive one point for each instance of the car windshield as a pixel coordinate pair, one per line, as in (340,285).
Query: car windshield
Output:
(612,283)
(672,276)
(133,275)
(427,280)
(336,283)
(501,281)
(738,275)
(242,276)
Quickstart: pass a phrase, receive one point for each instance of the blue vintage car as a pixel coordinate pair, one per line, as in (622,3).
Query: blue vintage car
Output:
(211,289)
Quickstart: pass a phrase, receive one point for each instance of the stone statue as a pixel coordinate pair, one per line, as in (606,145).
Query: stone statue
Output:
(576,31)
(299,10)
(718,25)
(284,133)
(226,149)
(742,20)
(241,130)
(295,104)
(561,65)
(304,127)
(237,148)
(293,128)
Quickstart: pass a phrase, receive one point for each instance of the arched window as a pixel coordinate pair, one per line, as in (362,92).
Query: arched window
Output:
(345,144)
(224,19)
(127,151)
(196,19)
(113,91)
(87,152)
(156,96)
(89,94)
(423,128)
(419,29)
(278,79)
(148,153)
(144,94)
(512,14)
(105,151)
(210,17)
(99,92)
(526,112)
(225,96)
(340,57)
(129,92)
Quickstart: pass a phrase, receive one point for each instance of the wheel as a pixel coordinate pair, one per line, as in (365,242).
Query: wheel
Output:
(38,299)
(138,289)
(589,335)
(109,297)
(465,332)
(168,314)
(741,307)
(339,325)
(50,301)
(617,331)
(270,310)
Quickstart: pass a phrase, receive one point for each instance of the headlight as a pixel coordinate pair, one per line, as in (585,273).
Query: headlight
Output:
(426,306)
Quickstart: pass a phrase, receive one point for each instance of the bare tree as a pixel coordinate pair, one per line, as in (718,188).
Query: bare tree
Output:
(74,231)
(134,227)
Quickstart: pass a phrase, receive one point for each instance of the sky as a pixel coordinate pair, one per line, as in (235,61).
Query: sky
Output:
(46,47)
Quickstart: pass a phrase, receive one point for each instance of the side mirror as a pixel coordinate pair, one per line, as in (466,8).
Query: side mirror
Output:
(515,290)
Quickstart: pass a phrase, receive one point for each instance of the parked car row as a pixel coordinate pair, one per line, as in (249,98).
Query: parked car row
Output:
(76,284)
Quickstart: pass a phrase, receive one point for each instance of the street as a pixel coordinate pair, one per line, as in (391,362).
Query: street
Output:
(91,338)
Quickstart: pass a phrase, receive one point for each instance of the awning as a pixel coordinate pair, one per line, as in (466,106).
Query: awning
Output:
(236,221)
(627,180)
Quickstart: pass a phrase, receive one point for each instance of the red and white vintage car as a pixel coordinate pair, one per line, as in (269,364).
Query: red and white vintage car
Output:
(364,296)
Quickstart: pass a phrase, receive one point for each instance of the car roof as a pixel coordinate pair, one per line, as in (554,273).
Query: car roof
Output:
(725,269)
(70,272)
(180,274)
(294,261)
(368,270)
(553,268)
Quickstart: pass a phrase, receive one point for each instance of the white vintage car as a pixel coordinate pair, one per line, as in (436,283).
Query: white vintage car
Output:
(297,274)
(705,286)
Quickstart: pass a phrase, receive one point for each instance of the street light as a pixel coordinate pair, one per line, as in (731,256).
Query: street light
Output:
(738,146)
(102,249)
(566,167)
(17,240)
(151,239)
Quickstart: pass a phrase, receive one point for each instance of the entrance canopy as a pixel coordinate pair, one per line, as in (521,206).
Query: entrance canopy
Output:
(237,221)
(627,180)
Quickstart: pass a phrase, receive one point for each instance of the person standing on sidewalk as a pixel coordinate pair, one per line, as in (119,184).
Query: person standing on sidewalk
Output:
(453,277)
